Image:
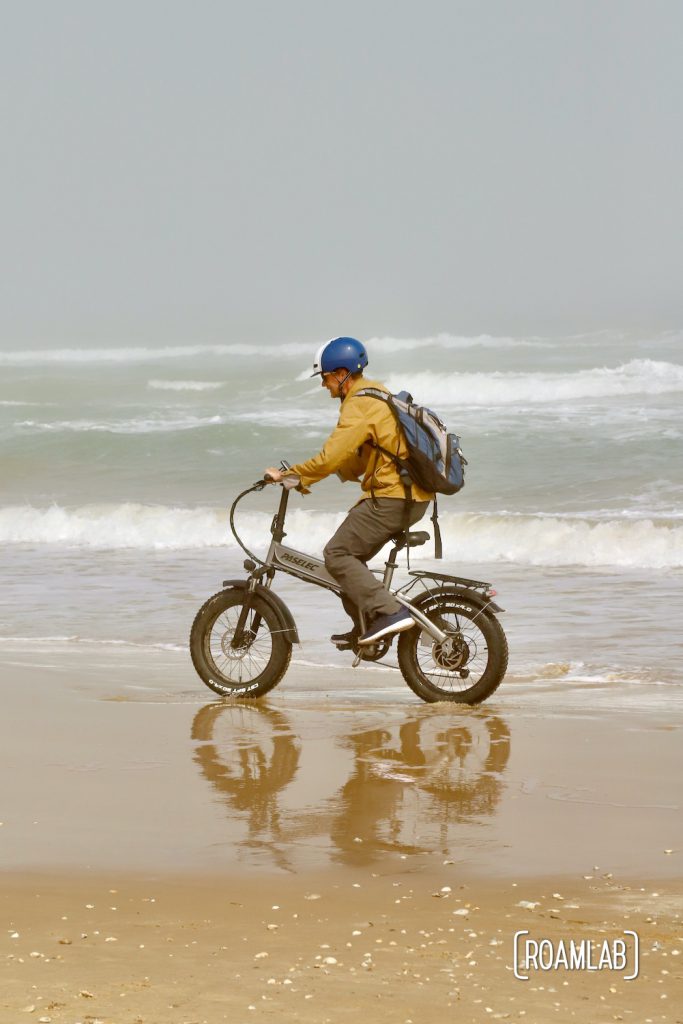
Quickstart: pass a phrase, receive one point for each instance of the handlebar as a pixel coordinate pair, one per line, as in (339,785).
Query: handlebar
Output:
(257,486)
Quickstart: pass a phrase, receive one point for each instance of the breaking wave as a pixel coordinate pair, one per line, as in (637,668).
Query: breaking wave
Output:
(152,527)
(517,539)
(637,377)
(453,341)
(13,402)
(133,355)
(184,385)
(262,417)
(131,426)
(151,354)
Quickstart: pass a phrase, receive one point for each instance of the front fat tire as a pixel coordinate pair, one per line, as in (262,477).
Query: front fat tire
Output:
(496,663)
(225,680)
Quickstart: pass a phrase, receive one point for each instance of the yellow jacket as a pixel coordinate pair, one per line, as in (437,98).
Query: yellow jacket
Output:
(348,452)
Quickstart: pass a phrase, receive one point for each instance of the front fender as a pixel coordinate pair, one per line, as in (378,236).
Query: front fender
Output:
(285,618)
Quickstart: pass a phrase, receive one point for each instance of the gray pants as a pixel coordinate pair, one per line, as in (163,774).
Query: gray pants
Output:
(364,532)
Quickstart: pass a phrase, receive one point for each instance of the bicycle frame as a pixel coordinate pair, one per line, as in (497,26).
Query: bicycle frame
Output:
(281,558)
(242,637)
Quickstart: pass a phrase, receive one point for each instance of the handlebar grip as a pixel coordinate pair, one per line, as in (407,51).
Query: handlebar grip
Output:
(268,478)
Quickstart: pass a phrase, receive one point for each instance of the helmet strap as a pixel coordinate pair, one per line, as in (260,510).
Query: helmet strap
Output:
(342,383)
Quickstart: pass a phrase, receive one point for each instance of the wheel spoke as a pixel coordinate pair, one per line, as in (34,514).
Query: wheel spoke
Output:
(241,664)
(440,666)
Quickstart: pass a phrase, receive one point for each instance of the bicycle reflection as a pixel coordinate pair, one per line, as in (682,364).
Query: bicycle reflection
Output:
(404,787)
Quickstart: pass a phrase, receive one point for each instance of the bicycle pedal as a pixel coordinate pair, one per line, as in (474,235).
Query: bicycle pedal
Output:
(357,660)
(342,645)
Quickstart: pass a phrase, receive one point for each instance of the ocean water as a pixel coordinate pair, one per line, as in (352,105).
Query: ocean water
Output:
(118,466)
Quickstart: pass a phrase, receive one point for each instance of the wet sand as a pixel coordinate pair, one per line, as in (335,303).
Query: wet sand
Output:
(155,842)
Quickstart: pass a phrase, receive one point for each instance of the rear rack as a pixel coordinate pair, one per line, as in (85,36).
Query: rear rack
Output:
(458,580)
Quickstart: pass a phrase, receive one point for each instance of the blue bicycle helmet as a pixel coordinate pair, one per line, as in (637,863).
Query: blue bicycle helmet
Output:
(340,354)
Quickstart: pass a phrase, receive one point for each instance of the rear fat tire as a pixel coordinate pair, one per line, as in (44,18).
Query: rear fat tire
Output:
(224,679)
(452,687)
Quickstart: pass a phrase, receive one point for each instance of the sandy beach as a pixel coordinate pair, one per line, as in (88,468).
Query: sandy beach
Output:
(338,848)
(400,946)
(221,221)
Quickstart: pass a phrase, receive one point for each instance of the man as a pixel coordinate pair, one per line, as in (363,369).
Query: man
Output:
(352,451)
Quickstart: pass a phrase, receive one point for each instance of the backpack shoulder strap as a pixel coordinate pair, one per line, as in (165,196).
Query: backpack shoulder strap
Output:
(372,393)
(404,476)
(386,397)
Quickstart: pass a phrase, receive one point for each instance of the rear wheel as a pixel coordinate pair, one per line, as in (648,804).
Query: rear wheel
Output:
(465,668)
(256,663)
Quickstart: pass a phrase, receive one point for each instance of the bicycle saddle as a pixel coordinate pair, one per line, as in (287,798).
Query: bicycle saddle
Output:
(414,539)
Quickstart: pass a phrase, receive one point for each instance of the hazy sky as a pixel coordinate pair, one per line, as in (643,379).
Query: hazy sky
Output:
(176,171)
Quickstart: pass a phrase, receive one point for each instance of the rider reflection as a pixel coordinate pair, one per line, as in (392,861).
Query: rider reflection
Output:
(412,787)
(249,755)
(434,775)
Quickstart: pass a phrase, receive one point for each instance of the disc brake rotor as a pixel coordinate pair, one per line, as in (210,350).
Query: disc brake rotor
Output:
(452,653)
(235,653)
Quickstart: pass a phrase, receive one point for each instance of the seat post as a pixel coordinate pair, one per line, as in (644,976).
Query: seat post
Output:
(390,567)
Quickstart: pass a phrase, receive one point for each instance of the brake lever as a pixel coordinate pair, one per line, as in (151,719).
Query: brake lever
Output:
(267,478)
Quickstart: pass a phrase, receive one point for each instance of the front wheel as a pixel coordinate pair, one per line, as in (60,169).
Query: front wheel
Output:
(255,664)
(468,666)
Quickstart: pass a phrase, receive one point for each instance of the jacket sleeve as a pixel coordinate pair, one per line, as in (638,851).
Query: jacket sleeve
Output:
(340,451)
(354,468)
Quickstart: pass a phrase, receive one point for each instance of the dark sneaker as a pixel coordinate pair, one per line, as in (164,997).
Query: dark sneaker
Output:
(344,638)
(345,641)
(384,625)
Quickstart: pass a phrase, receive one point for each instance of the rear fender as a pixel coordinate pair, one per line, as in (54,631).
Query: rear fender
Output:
(479,600)
(284,616)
